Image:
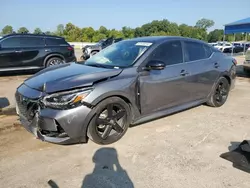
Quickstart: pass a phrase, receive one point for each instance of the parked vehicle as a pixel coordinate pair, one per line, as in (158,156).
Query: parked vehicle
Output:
(213,43)
(224,47)
(90,50)
(29,51)
(246,64)
(129,82)
(237,48)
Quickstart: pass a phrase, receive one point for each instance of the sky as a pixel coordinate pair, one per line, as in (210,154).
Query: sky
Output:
(47,14)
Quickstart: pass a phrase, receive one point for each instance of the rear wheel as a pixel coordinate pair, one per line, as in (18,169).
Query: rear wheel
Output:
(110,122)
(54,61)
(220,93)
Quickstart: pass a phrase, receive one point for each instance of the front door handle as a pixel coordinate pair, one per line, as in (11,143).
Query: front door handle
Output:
(18,51)
(184,73)
(216,65)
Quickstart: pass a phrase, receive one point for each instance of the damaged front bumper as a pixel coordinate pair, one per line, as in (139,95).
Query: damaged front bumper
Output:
(51,125)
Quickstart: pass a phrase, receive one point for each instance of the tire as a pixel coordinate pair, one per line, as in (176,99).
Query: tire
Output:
(110,122)
(220,93)
(54,61)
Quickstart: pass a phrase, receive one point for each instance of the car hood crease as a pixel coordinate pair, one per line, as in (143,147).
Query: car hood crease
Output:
(70,76)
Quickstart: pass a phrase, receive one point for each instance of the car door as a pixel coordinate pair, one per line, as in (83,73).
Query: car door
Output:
(203,68)
(10,52)
(161,89)
(32,51)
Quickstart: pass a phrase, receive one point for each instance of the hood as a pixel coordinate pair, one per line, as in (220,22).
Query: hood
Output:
(68,76)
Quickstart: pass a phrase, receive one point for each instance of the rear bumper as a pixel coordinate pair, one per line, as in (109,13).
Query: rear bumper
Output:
(71,59)
(246,64)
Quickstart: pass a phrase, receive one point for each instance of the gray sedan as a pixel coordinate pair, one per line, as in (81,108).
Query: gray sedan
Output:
(127,83)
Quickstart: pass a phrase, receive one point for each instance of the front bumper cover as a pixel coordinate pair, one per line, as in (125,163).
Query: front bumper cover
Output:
(52,125)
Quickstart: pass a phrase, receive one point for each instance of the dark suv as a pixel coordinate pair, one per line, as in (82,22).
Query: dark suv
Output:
(29,51)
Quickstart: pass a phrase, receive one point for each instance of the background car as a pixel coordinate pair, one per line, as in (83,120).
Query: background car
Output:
(223,46)
(90,50)
(29,51)
(246,64)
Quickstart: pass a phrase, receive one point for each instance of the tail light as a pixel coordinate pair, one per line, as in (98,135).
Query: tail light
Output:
(70,48)
(235,61)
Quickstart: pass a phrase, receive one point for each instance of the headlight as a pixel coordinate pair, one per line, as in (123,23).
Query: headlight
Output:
(65,100)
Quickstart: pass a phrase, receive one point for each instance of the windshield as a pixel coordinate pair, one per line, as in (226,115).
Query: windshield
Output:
(122,54)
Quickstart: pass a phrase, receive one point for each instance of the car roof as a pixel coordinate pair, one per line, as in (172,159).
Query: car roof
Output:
(29,34)
(159,39)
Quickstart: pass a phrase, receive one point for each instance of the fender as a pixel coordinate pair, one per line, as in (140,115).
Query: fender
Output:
(223,74)
(52,55)
(124,96)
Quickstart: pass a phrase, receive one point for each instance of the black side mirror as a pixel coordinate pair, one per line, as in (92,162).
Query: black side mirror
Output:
(155,65)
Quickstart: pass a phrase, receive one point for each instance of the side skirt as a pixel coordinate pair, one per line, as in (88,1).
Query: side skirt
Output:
(167,111)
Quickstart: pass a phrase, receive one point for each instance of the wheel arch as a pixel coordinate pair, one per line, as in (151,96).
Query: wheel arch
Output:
(52,56)
(134,110)
(127,99)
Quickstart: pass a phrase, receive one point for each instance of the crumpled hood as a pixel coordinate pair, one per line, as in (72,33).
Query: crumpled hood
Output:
(68,76)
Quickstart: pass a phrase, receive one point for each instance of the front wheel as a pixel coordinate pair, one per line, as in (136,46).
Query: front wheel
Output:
(220,93)
(111,121)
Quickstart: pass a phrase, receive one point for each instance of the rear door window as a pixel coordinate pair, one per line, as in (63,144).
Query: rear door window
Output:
(11,42)
(170,53)
(208,51)
(195,51)
(32,41)
(56,42)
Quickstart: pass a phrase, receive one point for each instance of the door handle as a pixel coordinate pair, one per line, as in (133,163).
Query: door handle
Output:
(184,73)
(216,65)
(18,51)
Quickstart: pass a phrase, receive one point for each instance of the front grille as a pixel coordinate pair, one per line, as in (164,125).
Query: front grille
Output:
(26,106)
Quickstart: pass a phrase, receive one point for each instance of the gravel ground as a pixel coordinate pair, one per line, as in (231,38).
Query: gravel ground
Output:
(181,150)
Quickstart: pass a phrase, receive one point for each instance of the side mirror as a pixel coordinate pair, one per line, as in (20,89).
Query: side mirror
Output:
(155,65)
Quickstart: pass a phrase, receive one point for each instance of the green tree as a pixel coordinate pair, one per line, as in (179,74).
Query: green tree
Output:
(49,33)
(98,36)
(7,30)
(128,32)
(215,35)
(116,34)
(103,30)
(204,23)
(60,30)
(72,33)
(23,30)
(37,31)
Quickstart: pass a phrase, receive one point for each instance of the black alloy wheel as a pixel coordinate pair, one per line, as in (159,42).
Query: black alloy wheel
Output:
(220,93)
(110,122)
(54,61)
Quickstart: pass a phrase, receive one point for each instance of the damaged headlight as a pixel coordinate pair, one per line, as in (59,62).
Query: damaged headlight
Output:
(65,100)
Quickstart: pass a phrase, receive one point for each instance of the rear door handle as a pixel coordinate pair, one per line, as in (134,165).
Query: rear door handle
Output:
(184,73)
(216,65)
(18,51)
(47,50)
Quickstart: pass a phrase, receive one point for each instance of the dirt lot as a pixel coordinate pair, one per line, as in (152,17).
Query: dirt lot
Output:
(181,150)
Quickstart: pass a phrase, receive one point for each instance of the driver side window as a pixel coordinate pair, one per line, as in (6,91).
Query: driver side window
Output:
(169,52)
